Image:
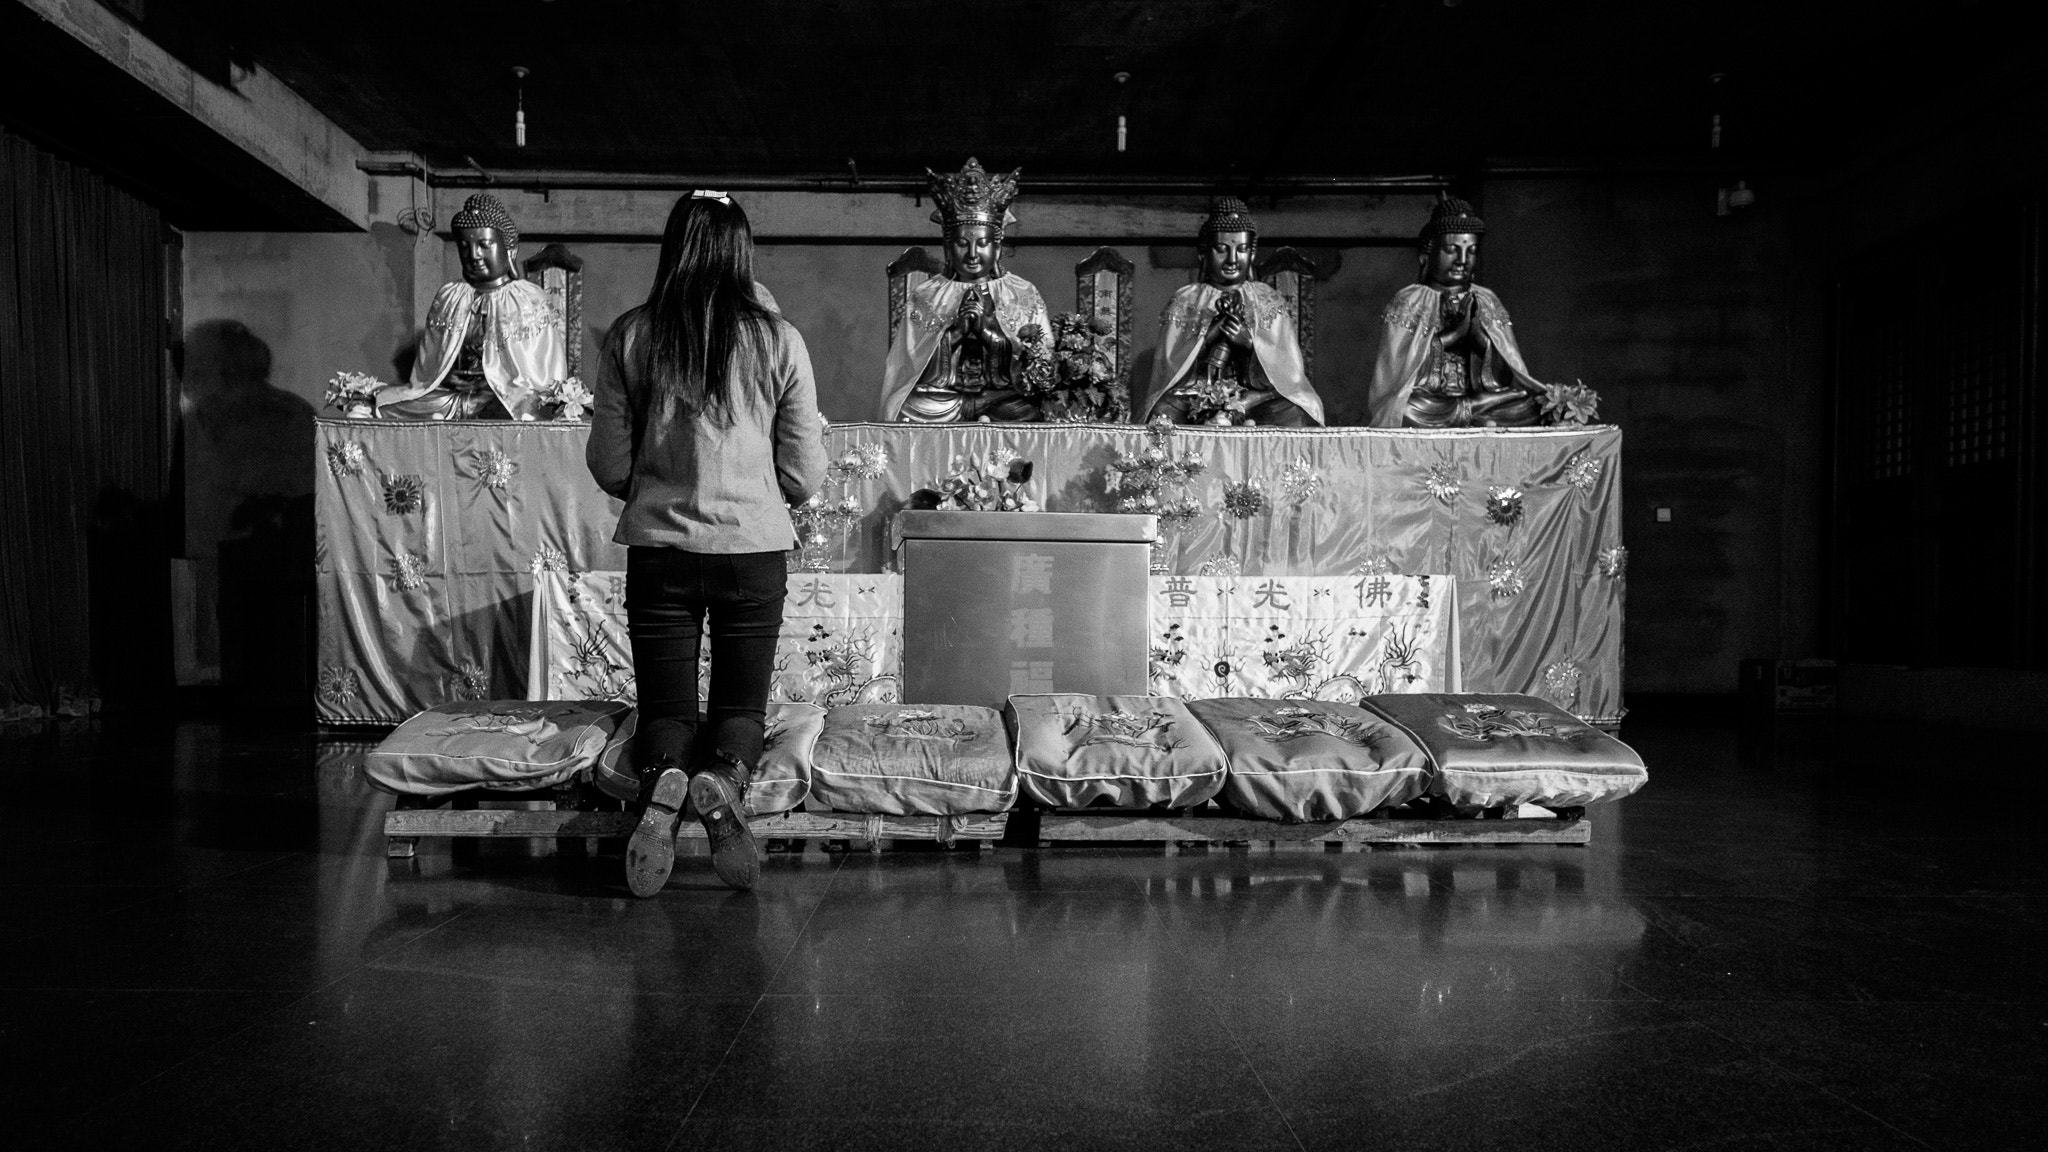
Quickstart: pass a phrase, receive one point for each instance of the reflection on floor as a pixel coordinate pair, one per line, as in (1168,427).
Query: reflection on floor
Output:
(1777,944)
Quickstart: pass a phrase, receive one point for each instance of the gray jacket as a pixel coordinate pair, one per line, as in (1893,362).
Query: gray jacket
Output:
(691,484)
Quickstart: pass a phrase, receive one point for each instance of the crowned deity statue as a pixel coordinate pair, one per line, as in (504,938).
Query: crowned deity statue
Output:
(1448,357)
(492,341)
(975,343)
(1228,353)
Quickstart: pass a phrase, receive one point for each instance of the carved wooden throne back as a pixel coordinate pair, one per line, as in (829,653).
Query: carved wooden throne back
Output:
(905,272)
(559,272)
(1295,276)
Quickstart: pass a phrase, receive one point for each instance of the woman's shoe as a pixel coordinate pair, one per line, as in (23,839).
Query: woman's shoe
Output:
(720,797)
(651,853)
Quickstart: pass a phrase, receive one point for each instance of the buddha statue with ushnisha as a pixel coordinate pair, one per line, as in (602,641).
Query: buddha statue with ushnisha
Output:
(1230,336)
(973,342)
(1448,357)
(491,341)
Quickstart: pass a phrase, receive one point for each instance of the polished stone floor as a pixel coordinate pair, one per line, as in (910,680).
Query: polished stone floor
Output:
(1796,938)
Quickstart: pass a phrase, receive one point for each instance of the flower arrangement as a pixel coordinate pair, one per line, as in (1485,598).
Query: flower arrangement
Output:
(1214,400)
(1154,479)
(1570,404)
(1245,500)
(991,482)
(569,398)
(1085,370)
(826,514)
(353,393)
(1037,375)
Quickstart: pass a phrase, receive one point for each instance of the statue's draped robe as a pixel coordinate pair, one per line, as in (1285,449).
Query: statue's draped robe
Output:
(927,330)
(1277,350)
(1408,349)
(523,346)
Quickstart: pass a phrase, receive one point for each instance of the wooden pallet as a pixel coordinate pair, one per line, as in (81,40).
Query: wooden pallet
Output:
(1567,828)
(404,826)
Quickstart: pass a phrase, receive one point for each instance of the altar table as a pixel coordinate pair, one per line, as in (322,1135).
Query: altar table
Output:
(432,534)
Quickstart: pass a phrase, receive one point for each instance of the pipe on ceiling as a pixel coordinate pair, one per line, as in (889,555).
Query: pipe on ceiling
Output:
(561,180)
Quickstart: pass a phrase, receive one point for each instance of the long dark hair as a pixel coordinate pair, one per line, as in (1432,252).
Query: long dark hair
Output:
(702,309)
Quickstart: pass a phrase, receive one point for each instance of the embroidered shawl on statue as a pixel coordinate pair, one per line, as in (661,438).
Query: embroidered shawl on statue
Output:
(927,329)
(523,347)
(1278,351)
(1408,347)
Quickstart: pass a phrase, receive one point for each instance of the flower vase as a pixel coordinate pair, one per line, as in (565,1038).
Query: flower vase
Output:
(360,410)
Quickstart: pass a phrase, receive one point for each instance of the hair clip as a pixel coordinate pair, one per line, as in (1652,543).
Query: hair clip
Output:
(708,194)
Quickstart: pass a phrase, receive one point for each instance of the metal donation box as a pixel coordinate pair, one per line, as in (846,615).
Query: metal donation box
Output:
(996,603)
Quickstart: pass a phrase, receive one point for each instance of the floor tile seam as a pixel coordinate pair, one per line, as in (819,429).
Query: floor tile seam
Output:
(1238,1046)
(1811,1083)
(711,1076)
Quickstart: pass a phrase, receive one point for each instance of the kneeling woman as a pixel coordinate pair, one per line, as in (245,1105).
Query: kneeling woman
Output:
(707,426)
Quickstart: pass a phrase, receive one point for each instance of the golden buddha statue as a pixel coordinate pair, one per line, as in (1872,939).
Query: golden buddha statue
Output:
(491,341)
(1448,357)
(975,343)
(1228,353)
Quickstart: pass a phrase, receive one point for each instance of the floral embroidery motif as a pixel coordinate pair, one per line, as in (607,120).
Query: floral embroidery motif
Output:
(1294,723)
(1562,679)
(345,459)
(472,681)
(1021,311)
(338,686)
(1441,482)
(1415,315)
(1614,563)
(1504,576)
(1132,729)
(1220,566)
(1266,303)
(924,311)
(411,570)
(1504,506)
(503,718)
(919,724)
(404,495)
(1245,500)
(494,468)
(1582,472)
(1486,722)
(549,558)
(1377,566)
(1300,482)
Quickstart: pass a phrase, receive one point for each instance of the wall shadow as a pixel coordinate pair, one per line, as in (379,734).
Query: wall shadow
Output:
(248,510)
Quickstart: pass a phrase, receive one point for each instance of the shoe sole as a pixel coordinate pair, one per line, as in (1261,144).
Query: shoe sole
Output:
(733,853)
(651,853)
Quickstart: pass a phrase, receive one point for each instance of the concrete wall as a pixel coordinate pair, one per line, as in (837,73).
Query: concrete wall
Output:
(1702,334)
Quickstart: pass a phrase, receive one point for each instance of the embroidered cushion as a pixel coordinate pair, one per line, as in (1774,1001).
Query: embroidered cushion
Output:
(512,745)
(1075,750)
(1490,750)
(781,780)
(913,760)
(1312,759)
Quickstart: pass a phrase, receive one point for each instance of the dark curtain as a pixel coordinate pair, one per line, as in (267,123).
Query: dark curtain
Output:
(84,454)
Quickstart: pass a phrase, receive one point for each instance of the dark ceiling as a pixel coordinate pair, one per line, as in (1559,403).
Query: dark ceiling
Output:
(1251,86)
(1223,90)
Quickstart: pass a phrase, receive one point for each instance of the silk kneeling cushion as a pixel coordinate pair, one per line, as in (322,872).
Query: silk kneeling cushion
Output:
(508,745)
(1074,750)
(1298,760)
(1490,750)
(912,760)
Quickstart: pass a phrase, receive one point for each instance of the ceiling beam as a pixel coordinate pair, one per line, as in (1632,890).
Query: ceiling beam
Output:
(899,218)
(258,116)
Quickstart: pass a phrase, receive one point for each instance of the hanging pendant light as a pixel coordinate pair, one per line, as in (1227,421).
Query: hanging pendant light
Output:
(519,113)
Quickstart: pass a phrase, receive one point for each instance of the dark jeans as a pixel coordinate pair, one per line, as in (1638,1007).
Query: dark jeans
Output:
(668,592)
